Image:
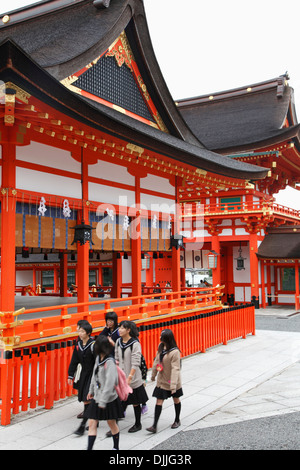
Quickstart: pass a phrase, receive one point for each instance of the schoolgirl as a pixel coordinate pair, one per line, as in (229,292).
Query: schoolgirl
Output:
(128,354)
(82,358)
(111,329)
(166,367)
(105,403)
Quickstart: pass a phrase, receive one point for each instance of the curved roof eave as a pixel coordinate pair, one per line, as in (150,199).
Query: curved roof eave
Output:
(276,138)
(242,117)
(17,67)
(72,39)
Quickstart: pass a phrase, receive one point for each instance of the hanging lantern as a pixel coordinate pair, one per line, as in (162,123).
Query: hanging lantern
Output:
(212,259)
(25,252)
(177,241)
(83,233)
(240,260)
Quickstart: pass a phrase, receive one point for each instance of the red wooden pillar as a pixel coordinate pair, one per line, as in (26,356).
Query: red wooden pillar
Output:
(116,291)
(263,290)
(254,268)
(83,250)
(269,283)
(296,284)
(176,280)
(100,275)
(63,275)
(276,282)
(136,262)
(8,227)
(136,250)
(182,278)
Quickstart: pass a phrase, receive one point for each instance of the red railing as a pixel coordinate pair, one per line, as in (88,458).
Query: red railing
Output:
(34,373)
(223,208)
(132,308)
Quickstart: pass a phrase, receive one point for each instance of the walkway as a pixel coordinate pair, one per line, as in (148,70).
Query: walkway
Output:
(210,381)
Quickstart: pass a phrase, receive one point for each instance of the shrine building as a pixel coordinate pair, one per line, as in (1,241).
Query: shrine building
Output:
(255,124)
(91,138)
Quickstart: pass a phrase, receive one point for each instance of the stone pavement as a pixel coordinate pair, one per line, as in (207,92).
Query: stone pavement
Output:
(247,378)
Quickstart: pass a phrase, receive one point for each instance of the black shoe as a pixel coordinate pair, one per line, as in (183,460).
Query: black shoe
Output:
(135,428)
(151,429)
(80,430)
(175,425)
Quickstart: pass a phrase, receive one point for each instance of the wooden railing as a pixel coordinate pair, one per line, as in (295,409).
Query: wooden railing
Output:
(240,207)
(17,330)
(33,371)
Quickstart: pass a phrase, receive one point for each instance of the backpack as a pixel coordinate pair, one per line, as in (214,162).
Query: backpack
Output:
(122,388)
(143,365)
(144,368)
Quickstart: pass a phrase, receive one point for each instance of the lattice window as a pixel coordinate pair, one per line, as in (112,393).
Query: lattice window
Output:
(114,84)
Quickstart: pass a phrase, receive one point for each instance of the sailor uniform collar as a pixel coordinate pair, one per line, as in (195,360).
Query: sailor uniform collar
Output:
(129,343)
(89,343)
(164,352)
(101,363)
(111,333)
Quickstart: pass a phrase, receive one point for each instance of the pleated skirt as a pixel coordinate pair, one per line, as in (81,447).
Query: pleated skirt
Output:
(163,394)
(113,410)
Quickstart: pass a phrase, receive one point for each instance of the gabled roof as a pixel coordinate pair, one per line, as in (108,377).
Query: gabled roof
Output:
(281,243)
(42,47)
(64,36)
(247,118)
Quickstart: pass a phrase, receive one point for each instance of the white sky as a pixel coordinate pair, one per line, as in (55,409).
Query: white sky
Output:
(204,47)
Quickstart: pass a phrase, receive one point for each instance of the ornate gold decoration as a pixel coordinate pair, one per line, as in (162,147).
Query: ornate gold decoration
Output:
(5,19)
(135,148)
(122,53)
(20,94)
(68,83)
(199,171)
(160,123)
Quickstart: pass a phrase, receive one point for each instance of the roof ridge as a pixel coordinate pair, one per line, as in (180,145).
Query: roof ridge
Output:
(34,10)
(278,82)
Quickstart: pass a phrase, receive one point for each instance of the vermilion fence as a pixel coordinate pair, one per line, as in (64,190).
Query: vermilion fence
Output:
(35,372)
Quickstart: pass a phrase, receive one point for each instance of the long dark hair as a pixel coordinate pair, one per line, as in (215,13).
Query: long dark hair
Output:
(102,346)
(131,326)
(167,339)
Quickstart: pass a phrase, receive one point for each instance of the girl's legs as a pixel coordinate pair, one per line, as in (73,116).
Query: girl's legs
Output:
(80,430)
(137,414)
(177,406)
(112,423)
(157,413)
(93,423)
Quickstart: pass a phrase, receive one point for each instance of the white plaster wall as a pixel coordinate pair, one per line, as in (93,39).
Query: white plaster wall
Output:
(239,294)
(23,278)
(240,231)
(47,183)
(126,270)
(157,183)
(48,156)
(156,203)
(227,232)
(111,172)
(111,195)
